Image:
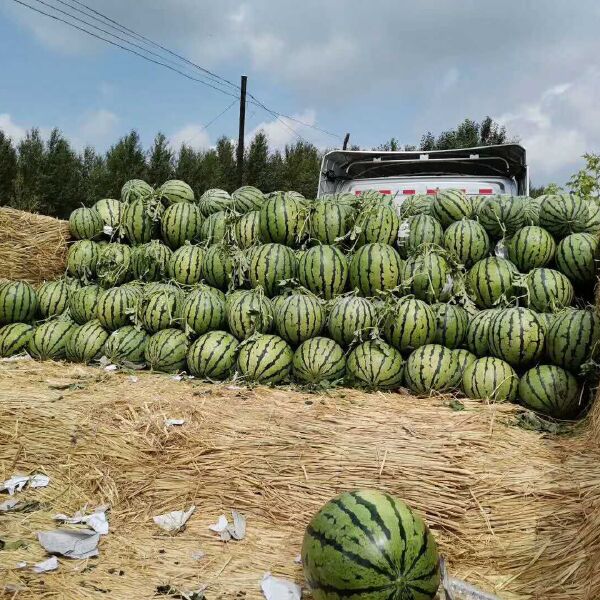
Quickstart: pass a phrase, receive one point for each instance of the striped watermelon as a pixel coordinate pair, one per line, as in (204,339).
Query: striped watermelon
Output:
(141,220)
(465,358)
(114,265)
(417,204)
(246,231)
(111,212)
(501,215)
(428,276)
(546,320)
(215,227)
(185,264)
(476,337)
(450,324)
(82,259)
(115,307)
(86,342)
(351,319)
(375,365)
(476,201)
(576,257)
(49,340)
(18,302)
(592,222)
(368,545)
(318,360)
(531,247)
(181,223)
(548,290)
(531,209)
(376,224)
(409,324)
(562,214)
(343,198)
(135,189)
(86,224)
(248,312)
(550,390)
(467,241)
(174,191)
(491,281)
(573,339)
(247,199)
(450,205)
(375,197)
(53,298)
(83,303)
(324,271)
(213,355)
(516,336)
(213,201)
(418,231)
(283,220)
(203,310)
(265,358)
(490,379)
(149,262)
(375,268)
(126,346)
(299,317)
(166,351)
(160,310)
(329,221)
(218,266)
(432,368)
(270,264)
(14,339)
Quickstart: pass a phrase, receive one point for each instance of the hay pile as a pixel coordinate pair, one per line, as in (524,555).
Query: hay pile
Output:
(514,512)
(33,248)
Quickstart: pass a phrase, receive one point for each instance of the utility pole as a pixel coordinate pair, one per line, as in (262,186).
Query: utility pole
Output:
(346,140)
(240,147)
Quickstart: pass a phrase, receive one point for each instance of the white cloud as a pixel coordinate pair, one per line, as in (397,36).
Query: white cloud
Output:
(192,135)
(98,126)
(280,131)
(11,129)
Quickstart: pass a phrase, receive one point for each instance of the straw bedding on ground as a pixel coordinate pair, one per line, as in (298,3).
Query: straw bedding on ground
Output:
(514,512)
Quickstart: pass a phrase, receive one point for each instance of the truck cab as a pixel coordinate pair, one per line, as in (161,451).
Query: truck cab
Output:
(482,171)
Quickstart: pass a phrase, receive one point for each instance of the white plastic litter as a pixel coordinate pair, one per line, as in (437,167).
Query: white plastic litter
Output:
(46,565)
(172,422)
(97,520)
(72,543)
(111,368)
(501,251)
(107,230)
(17,482)
(21,565)
(177,377)
(8,505)
(228,531)
(174,521)
(298,559)
(275,588)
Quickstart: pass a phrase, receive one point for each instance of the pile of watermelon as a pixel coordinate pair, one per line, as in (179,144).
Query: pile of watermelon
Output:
(486,295)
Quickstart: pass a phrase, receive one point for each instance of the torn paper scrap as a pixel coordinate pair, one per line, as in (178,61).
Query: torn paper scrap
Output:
(47,565)
(17,482)
(72,543)
(171,422)
(8,505)
(228,531)
(97,520)
(39,481)
(174,521)
(275,588)
(220,525)
(21,565)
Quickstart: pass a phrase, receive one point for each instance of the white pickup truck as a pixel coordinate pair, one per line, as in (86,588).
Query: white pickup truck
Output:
(480,171)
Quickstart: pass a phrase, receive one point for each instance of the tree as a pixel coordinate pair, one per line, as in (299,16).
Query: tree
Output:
(125,160)
(586,182)
(301,168)
(188,168)
(258,170)
(227,164)
(94,177)
(160,164)
(392,145)
(30,163)
(8,169)
(468,134)
(209,171)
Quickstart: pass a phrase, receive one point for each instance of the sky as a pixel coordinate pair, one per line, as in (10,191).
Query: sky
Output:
(374,69)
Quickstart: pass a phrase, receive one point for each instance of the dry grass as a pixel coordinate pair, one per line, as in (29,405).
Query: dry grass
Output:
(33,247)
(515,513)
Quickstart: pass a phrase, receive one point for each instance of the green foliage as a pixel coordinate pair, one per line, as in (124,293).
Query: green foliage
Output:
(586,182)
(468,134)
(160,161)
(8,168)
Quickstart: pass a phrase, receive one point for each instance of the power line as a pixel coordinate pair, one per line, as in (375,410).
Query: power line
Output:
(203,127)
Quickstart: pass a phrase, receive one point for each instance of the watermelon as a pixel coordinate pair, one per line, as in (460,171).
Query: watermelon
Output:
(53,298)
(330,222)
(218,266)
(409,324)
(465,358)
(531,211)
(432,368)
(49,340)
(265,358)
(299,317)
(419,231)
(501,215)
(490,379)
(375,268)
(213,355)
(246,231)
(215,227)
(166,351)
(149,262)
(14,339)
(83,303)
(592,223)
(546,320)
(368,545)
(548,290)
(324,271)
(114,265)
(82,259)
(111,212)
(375,365)
(160,310)
(115,306)
(466,241)
(126,346)
(416,204)
(450,205)
(185,264)
(141,220)
(269,265)
(174,191)
(181,223)
(491,281)
(476,337)
(203,310)
(573,339)
(576,257)
(351,319)
(249,312)
(247,199)
(283,220)
(376,224)
(563,214)
(213,201)
(18,302)
(86,224)
(86,342)
(318,360)
(550,390)
(428,276)
(135,189)
(531,247)
(450,324)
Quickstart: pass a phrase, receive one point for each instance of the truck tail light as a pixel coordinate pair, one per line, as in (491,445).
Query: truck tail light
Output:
(385,192)
(432,192)
(485,191)
(408,192)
